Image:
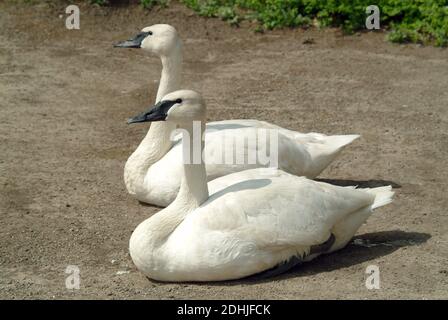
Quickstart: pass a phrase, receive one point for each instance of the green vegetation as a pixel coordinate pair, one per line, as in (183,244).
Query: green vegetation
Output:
(419,21)
(99,2)
(152,3)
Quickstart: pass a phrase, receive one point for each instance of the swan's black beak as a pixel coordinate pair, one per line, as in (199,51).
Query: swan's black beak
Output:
(158,112)
(135,42)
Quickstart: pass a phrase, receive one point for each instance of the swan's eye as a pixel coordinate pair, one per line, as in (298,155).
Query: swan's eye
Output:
(179,101)
(149,33)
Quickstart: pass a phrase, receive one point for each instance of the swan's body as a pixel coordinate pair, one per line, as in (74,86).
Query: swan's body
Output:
(252,221)
(153,172)
(299,154)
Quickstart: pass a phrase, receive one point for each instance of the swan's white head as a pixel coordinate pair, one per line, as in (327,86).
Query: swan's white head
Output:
(181,107)
(160,39)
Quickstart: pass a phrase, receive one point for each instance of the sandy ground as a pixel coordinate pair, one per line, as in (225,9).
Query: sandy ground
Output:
(64,98)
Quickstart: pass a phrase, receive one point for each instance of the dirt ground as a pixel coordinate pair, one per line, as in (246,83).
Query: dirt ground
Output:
(64,98)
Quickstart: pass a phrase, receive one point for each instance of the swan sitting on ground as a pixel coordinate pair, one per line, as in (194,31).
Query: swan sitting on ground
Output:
(152,173)
(258,220)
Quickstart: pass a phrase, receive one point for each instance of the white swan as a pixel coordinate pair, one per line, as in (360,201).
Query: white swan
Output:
(253,220)
(152,173)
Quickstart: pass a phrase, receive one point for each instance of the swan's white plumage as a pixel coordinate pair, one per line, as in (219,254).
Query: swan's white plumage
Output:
(155,178)
(299,154)
(252,221)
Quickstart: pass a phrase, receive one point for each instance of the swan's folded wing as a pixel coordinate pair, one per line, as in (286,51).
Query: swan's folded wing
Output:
(279,210)
(233,150)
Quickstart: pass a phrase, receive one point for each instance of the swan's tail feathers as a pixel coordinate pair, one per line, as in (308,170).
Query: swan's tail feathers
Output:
(340,141)
(346,229)
(324,149)
(383,196)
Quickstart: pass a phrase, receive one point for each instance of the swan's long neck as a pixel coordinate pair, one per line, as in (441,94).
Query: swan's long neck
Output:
(171,77)
(152,233)
(153,147)
(193,187)
(157,141)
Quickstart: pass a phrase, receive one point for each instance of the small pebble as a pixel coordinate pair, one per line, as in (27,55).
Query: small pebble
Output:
(122,272)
